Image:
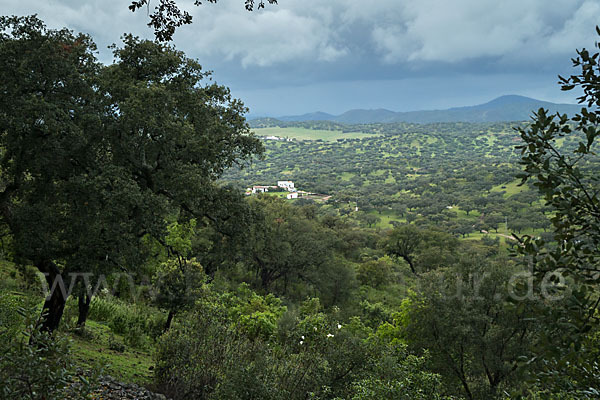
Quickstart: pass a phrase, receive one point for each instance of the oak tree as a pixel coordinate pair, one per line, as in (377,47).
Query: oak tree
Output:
(94,158)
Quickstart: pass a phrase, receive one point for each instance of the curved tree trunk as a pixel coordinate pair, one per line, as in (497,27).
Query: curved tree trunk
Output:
(410,263)
(54,305)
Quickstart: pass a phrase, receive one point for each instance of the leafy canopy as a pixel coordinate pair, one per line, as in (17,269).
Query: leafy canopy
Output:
(167,15)
(94,158)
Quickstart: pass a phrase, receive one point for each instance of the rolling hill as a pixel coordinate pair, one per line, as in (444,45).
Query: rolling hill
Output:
(504,108)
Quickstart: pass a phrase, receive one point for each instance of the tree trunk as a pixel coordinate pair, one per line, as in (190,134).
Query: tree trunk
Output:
(54,305)
(83,302)
(169,320)
(410,263)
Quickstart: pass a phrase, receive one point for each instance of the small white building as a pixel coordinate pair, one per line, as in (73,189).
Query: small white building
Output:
(293,195)
(260,189)
(287,185)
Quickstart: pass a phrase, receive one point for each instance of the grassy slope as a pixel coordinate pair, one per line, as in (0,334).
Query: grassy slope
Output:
(511,188)
(91,349)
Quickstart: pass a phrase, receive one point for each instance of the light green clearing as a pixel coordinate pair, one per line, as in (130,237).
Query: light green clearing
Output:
(131,365)
(390,179)
(386,217)
(282,195)
(311,134)
(511,188)
(346,176)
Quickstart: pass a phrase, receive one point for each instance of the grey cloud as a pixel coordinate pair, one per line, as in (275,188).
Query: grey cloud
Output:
(435,31)
(272,36)
(396,31)
(335,43)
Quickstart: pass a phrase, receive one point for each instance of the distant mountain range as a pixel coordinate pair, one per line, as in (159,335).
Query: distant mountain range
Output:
(504,108)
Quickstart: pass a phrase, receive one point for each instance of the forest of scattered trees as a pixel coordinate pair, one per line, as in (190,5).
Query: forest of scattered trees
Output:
(451,175)
(118,185)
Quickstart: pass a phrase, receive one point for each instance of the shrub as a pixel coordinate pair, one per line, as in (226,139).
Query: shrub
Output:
(102,309)
(120,323)
(10,320)
(375,273)
(36,365)
(135,337)
(212,355)
(115,345)
(122,317)
(155,325)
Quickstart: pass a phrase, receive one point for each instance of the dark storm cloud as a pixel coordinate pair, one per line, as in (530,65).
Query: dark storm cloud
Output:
(380,52)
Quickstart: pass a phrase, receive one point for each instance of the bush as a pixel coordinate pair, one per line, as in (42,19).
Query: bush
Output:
(10,321)
(135,337)
(102,309)
(155,325)
(123,317)
(375,273)
(36,365)
(213,355)
(120,323)
(115,345)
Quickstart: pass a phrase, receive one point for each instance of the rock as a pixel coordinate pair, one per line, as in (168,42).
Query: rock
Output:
(109,388)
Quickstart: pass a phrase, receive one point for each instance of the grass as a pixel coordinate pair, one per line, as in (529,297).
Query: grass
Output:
(92,350)
(386,216)
(282,195)
(311,134)
(346,176)
(511,188)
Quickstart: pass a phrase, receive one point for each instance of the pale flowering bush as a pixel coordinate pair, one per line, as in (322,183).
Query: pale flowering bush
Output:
(215,354)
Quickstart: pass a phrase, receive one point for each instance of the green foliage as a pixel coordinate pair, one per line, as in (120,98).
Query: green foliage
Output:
(97,157)
(115,344)
(375,273)
(135,337)
(120,323)
(399,376)
(402,242)
(312,352)
(257,316)
(176,283)
(284,244)
(10,319)
(35,365)
(103,309)
(568,181)
(475,337)
(124,317)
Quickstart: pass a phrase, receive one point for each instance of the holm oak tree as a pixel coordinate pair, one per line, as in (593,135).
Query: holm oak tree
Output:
(93,158)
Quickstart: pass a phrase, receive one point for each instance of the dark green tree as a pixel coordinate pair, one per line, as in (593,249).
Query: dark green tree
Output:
(460,315)
(283,245)
(94,158)
(402,242)
(568,181)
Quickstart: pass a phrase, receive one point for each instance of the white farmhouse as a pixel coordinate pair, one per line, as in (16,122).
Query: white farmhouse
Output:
(260,189)
(287,185)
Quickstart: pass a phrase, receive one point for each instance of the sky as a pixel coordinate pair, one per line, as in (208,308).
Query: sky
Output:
(302,56)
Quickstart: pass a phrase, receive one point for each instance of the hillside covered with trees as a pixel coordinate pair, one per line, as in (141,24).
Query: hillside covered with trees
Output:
(446,261)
